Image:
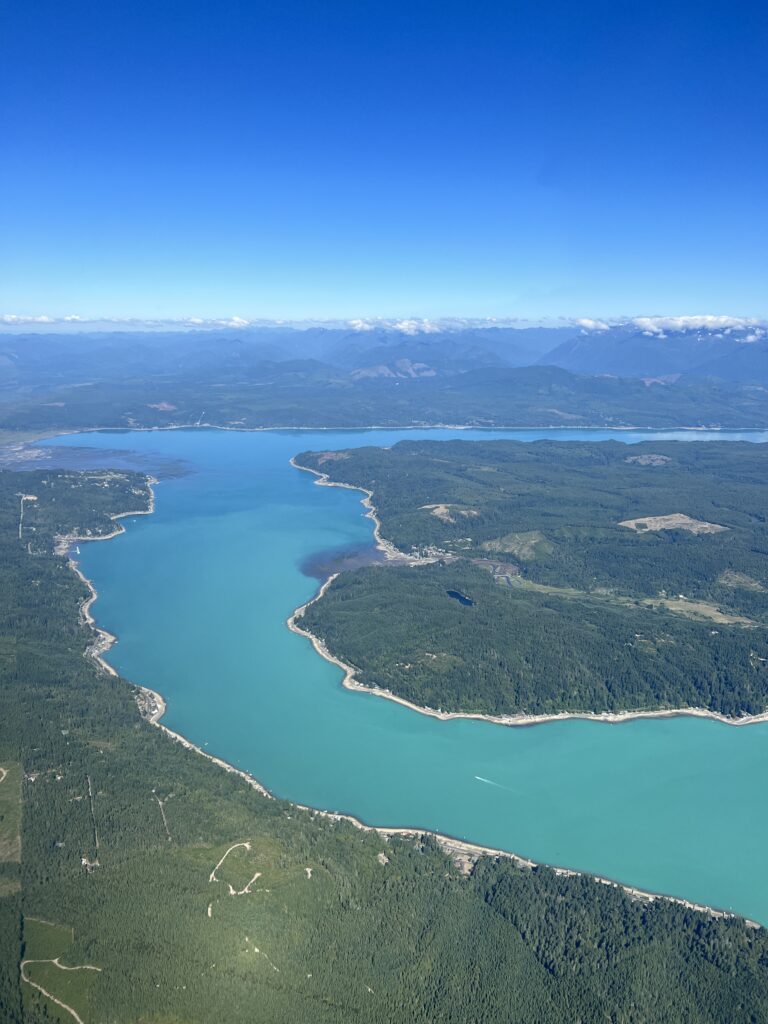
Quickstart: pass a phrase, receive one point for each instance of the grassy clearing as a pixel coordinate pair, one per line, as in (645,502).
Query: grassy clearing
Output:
(74,988)
(527,546)
(701,610)
(740,581)
(46,940)
(10,812)
(49,977)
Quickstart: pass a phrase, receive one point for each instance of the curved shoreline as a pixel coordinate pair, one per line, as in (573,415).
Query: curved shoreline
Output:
(351,682)
(458,849)
(62,544)
(122,429)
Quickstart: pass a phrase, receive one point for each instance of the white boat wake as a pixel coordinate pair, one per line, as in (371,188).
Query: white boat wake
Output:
(490,782)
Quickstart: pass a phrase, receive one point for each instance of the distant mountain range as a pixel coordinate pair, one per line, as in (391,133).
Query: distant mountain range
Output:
(663,348)
(41,359)
(629,350)
(653,373)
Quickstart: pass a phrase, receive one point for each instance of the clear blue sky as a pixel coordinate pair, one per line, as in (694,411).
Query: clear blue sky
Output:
(346,158)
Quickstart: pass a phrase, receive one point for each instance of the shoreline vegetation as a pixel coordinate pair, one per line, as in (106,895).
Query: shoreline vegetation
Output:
(153,707)
(351,682)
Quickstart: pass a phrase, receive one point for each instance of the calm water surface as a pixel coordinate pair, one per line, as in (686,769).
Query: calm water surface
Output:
(198,595)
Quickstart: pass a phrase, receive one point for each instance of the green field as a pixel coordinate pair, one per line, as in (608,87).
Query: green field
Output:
(10,813)
(47,968)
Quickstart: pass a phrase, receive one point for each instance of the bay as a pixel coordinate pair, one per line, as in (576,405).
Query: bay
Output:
(198,595)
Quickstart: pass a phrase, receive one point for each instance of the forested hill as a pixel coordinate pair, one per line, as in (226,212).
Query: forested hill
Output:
(602,577)
(183,894)
(341,379)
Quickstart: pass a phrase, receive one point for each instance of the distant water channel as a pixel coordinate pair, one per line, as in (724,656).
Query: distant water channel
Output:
(198,595)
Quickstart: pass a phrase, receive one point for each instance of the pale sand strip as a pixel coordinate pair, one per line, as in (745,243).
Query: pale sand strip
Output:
(453,847)
(62,545)
(385,546)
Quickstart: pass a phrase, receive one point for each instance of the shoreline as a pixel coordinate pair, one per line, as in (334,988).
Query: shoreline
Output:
(123,429)
(351,682)
(62,545)
(388,549)
(152,707)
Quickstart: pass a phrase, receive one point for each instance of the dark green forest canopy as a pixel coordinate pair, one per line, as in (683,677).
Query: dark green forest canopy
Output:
(604,577)
(369,938)
(304,394)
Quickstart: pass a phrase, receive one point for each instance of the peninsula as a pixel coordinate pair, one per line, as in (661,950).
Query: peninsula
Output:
(598,582)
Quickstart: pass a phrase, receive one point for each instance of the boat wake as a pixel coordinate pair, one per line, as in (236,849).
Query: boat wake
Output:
(490,782)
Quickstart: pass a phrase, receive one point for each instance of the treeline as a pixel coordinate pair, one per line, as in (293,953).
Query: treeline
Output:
(366,938)
(572,611)
(305,393)
(519,651)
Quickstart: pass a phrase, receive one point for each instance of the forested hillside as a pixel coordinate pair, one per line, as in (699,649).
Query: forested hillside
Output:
(598,577)
(181,893)
(341,378)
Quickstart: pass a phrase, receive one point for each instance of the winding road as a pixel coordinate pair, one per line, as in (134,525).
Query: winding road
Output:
(48,995)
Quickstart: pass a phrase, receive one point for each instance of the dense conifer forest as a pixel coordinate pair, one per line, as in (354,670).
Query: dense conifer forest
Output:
(116,386)
(597,577)
(110,832)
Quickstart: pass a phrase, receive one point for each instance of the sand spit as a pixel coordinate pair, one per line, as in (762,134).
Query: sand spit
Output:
(152,706)
(389,550)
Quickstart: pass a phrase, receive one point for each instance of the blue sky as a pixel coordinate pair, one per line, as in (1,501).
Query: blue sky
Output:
(341,159)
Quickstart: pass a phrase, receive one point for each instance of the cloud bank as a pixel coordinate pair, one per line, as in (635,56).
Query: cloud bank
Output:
(408,325)
(706,324)
(656,326)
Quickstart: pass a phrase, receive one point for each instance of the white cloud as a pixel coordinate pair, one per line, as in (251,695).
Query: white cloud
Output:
(14,319)
(593,325)
(660,324)
(743,329)
(412,327)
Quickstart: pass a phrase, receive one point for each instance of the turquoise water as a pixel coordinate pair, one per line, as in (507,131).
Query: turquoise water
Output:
(198,595)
